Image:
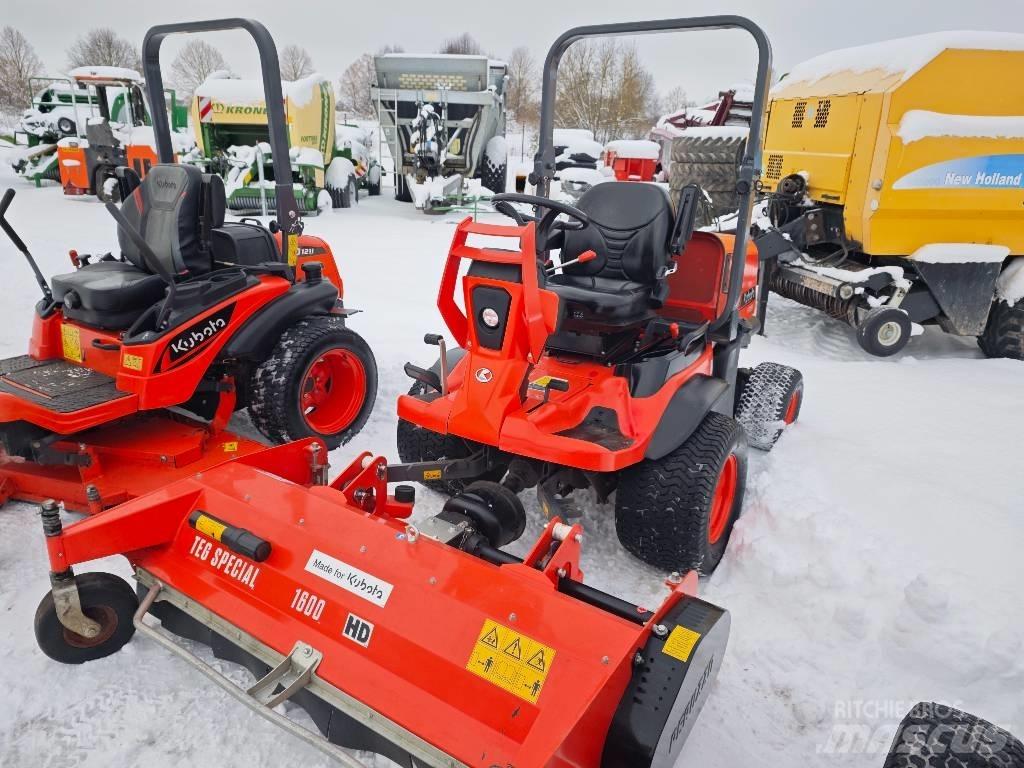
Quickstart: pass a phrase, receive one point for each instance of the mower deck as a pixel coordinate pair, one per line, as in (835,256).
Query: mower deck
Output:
(121,460)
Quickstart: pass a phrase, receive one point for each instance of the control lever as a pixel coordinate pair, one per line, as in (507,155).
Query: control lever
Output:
(437,340)
(20,245)
(583,258)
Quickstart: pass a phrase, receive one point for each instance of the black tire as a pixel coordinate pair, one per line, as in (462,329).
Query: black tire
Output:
(66,126)
(373,187)
(1004,332)
(664,508)
(937,736)
(507,519)
(105,598)
(884,331)
(278,388)
(711,162)
(415,443)
(768,401)
(494,176)
(402,192)
(336,197)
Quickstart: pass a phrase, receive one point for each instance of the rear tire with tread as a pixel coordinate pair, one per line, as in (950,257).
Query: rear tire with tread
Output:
(275,404)
(767,401)
(663,507)
(938,736)
(1004,332)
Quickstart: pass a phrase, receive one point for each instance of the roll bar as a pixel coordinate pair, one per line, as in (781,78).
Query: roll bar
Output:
(749,168)
(287,209)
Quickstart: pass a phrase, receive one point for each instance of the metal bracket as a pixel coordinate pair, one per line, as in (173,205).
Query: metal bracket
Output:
(68,605)
(292,675)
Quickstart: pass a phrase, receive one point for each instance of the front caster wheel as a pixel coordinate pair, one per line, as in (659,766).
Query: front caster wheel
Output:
(769,399)
(106,599)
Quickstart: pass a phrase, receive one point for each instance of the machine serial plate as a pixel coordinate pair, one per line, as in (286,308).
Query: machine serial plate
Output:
(511,660)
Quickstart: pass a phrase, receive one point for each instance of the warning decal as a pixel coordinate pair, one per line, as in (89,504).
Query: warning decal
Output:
(71,342)
(511,660)
(680,643)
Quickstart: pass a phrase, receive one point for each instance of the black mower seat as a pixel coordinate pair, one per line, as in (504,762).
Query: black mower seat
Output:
(107,294)
(630,225)
(165,210)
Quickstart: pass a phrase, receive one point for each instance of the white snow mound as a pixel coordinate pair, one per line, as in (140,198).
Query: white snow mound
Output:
(920,124)
(960,253)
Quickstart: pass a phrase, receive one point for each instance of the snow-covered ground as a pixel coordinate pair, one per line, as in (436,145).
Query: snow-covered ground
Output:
(877,562)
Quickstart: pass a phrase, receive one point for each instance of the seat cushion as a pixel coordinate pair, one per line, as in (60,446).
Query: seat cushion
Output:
(107,294)
(601,299)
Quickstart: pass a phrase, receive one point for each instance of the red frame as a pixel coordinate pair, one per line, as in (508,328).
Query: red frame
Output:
(493,412)
(414,669)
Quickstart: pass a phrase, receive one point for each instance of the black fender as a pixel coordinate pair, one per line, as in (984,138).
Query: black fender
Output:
(686,410)
(256,338)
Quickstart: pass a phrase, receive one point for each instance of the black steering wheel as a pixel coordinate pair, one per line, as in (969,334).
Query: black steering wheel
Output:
(547,222)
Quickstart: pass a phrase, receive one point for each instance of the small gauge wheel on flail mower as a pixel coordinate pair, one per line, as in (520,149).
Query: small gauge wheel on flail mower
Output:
(106,599)
(320,381)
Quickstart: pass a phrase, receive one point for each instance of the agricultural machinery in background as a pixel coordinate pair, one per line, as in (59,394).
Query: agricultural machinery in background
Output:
(81,127)
(443,119)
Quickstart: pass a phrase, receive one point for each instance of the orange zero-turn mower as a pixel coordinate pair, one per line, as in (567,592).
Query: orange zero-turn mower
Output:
(617,367)
(195,315)
(426,643)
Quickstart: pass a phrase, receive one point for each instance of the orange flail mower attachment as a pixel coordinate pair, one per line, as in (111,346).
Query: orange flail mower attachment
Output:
(419,641)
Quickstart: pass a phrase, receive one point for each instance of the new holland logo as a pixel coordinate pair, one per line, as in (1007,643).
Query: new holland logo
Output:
(195,337)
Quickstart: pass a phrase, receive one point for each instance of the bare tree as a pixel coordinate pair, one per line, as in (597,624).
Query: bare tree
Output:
(674,100)
(102,47)
(354,87)
(523,85)
(464,43)
(18,63)
(193,64)
(296,63)
(604,86)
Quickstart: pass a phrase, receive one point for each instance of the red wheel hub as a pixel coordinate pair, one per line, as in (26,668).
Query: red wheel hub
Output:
(333,391)
(723,498)
(792,407)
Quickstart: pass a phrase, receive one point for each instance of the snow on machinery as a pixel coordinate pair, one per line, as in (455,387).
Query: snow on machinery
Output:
(893,174)
(84,126)
(443,117)
(615,369)
(229,118)
(197,316)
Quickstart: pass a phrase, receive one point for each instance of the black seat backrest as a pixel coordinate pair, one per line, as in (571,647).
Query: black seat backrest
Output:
(630,224)
(99,133)
(165,210)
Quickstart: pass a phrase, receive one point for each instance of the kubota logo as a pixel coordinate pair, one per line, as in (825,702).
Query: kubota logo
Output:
(195,337)
(484,375)
(166,184)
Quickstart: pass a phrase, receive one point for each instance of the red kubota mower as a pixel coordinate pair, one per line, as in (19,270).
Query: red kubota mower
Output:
(616,368)
(196,314)
(421,641)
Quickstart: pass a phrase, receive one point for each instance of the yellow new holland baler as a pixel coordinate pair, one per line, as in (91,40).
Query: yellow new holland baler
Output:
(894,175)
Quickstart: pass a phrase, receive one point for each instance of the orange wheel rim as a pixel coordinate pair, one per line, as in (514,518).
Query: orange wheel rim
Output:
(792,407)
(333,391)
(723,498)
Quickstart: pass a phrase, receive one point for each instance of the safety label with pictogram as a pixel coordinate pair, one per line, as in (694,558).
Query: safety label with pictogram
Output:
(511,660)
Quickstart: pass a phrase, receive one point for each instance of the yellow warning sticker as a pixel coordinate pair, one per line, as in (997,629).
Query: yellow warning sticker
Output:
(71,341)
(680,643)
(541,383)
(131,362)
(231,447)
(511,660)
(293,249)
(432,474)
(210,527)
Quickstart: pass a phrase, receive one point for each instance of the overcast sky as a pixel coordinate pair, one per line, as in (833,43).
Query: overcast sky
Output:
(337,32)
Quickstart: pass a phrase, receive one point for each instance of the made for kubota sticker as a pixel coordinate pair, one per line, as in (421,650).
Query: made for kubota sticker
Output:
(511,660)
(195,337)
(349,578)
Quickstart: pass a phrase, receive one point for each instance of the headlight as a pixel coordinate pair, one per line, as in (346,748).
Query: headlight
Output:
(490,318)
